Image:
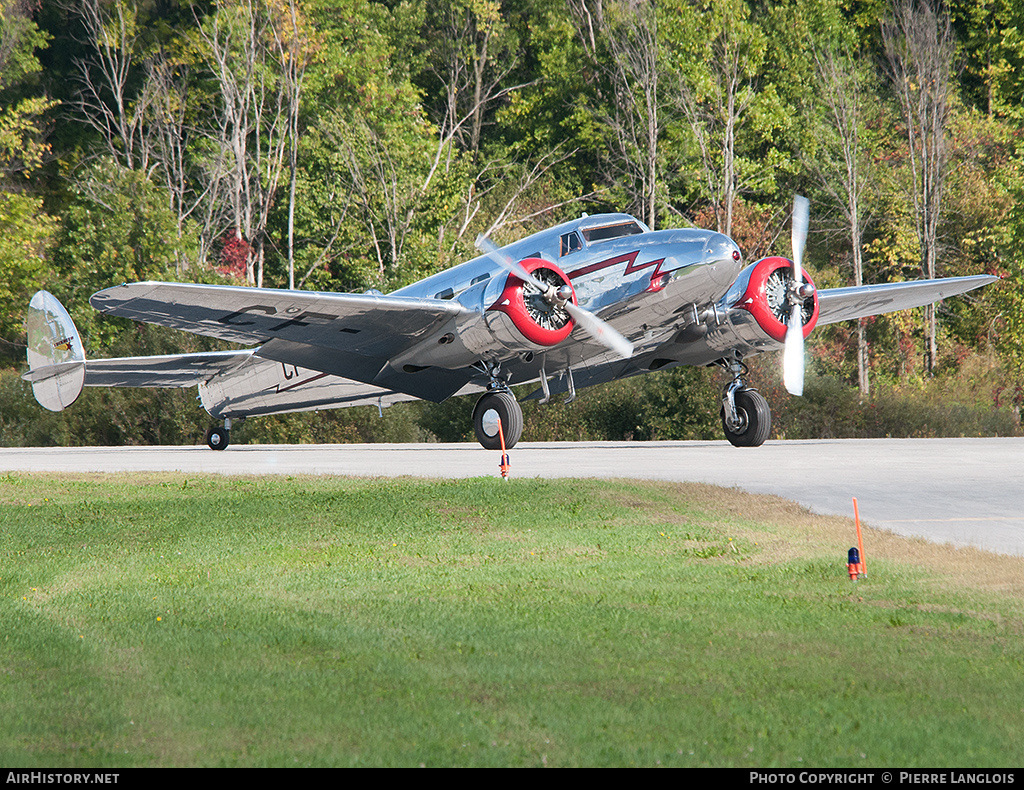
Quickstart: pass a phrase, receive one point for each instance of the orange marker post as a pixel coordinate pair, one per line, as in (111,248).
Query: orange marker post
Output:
(860,539)
(504,465)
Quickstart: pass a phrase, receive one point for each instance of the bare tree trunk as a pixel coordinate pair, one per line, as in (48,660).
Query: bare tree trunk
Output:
(193,183)
(730,51)
(474,56)
(919,44)
(629,29)
(841,166)
(111,34)
(244,55)
(294,61)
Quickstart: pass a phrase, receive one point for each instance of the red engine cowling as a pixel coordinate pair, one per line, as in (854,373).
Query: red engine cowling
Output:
(521,313)
(765,297)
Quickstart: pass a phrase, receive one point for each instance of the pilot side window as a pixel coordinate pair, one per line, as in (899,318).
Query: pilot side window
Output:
(570,243)
(612,231)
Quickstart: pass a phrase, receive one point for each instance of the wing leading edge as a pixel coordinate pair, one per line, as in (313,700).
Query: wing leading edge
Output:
(843,304)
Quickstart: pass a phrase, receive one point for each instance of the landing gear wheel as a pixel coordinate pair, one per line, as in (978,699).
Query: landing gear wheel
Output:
(489,409)
(755,420)
(217,438)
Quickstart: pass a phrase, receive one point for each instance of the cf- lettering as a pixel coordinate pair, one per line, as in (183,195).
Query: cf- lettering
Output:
(256,308)
(297,321)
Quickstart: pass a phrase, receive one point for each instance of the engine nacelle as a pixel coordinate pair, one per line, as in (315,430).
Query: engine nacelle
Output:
(765,297)
(520,318)
(757,309)
(509,313)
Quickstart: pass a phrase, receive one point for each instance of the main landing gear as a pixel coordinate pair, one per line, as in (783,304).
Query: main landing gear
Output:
(746,417)
(219,438)
(498,407)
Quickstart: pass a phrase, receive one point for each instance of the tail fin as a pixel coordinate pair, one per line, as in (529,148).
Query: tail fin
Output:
(56,358)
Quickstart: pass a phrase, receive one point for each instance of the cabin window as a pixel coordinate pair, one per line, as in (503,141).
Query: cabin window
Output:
(570,243)
(616,231)
(480,279)
(447,293)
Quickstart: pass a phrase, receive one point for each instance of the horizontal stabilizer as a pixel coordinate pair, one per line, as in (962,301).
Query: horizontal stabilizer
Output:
(169,370)
(48,372)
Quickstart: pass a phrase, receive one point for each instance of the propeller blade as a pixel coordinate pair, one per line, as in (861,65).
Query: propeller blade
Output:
(488,247)
(801,212)
(600,330)
(793,356)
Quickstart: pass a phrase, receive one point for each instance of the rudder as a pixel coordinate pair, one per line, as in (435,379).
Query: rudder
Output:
(56,358)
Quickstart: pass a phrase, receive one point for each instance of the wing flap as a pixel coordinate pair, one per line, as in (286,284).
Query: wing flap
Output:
(428,383)
(843,304)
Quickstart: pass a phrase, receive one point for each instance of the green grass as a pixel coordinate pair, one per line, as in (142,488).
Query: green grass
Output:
(249,622)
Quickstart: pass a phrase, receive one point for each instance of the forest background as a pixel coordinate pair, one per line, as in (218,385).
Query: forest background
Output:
(341,145)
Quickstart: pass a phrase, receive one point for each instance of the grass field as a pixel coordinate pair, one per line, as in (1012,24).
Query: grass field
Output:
(165,621)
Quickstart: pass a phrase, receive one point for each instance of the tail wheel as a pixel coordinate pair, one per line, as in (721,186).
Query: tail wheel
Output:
(217,438)
(755,420)
(492,408)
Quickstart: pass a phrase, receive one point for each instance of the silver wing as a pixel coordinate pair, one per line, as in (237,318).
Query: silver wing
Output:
(843,304)
(347,335)
(371,324)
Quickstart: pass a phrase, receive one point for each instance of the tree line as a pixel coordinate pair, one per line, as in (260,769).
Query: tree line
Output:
(341,145)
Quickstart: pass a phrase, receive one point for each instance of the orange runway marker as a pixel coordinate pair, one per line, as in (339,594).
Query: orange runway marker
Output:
(504,465)
(860,540)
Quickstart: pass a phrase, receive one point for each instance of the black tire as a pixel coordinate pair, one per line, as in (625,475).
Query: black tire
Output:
(756,419)
(497,405)
(218,438)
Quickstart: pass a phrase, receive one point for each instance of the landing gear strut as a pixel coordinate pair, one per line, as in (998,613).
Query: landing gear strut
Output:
(746,417)
(494,406)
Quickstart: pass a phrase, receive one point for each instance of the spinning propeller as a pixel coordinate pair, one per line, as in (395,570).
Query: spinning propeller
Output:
(561,296)
(793,355)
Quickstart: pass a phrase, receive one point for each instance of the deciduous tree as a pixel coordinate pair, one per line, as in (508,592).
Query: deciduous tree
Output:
(919,45)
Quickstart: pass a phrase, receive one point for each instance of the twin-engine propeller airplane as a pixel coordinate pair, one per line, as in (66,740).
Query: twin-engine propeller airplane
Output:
(588,301)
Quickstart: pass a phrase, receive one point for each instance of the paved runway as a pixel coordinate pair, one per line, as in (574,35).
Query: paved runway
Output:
(960,491)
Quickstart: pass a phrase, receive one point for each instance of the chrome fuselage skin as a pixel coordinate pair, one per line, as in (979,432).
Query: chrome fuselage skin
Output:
(608,270)
(643,282)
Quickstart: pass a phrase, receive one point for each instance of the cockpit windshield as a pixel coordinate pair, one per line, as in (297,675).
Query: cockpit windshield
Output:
(605,232)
